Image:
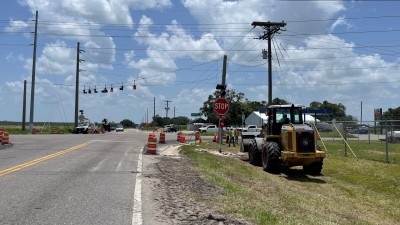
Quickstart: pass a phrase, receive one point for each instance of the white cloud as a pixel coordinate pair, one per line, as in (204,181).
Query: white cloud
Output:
(56,59)
(16,25)
(163,49)
(341,21)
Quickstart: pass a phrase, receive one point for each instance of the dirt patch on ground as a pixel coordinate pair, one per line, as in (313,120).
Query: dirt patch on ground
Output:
(183,195)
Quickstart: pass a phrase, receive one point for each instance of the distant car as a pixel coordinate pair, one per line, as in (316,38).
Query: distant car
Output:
(84,128)
(170,128)
(119,127)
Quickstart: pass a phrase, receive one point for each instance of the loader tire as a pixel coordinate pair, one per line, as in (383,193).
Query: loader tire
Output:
(254,154)
(314,168)
(271,158)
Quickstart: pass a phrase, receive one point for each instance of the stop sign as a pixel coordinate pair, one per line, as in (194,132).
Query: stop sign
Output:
(221,106)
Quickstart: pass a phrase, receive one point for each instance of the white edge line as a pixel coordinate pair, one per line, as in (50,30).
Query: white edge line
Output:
(137,198)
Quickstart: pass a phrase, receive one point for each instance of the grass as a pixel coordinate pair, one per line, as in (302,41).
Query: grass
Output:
(350,191)
(60,129)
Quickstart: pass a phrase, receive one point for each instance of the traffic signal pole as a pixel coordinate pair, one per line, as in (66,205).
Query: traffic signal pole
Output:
(222,96)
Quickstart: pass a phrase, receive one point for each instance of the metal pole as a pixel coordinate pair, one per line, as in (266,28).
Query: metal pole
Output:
(387,143)
(32,108)
(361,114)
(24,107)
(223,84)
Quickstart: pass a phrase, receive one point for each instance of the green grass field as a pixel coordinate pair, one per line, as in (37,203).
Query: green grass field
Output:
(60,129)
(363,190)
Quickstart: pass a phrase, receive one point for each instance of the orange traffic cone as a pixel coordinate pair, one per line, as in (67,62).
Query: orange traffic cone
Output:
(215,138)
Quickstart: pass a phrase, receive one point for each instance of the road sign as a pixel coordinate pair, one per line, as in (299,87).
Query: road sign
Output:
(221,106)
(195,114)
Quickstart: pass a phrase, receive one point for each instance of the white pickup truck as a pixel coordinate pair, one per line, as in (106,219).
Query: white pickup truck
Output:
(251,128)
(208,128)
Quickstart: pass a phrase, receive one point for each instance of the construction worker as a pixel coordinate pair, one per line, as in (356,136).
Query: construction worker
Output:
(237,133)
(231,135)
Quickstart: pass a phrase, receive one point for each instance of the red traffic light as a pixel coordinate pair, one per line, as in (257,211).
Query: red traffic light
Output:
(222,124)
(134,87)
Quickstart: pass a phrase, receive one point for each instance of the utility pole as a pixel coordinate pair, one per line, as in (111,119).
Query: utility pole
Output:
(24,107)
(270,29)
(33,75)
(167,108)
(78,60)
(154,108)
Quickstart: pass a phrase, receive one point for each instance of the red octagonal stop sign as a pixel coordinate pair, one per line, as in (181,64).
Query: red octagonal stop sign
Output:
(221,106)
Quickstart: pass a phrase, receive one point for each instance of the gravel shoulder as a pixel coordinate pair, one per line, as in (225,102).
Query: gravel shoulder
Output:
(175,193)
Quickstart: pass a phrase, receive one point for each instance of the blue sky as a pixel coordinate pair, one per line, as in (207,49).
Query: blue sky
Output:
(340,51)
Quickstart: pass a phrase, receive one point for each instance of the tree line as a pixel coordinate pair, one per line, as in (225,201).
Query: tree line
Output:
(240,105)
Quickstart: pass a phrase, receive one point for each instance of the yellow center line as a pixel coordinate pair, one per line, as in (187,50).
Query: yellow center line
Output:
(44,158)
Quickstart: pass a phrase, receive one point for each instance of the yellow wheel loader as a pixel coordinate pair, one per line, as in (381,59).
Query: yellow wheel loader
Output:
(288,141)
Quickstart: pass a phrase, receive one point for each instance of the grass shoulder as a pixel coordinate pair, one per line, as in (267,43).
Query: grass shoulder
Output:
(348,188)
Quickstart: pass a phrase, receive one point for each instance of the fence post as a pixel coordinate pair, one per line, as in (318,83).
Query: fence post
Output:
(387,142)
(345,139)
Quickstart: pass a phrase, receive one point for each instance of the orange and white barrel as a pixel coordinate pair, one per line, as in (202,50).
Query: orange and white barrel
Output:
(6,139)
(162,138)
(178,135)
(53,130)
(1,134)
(198,136)
(182,138)
(152,144)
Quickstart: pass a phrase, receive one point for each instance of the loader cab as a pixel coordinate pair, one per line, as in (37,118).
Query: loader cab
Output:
(278,115)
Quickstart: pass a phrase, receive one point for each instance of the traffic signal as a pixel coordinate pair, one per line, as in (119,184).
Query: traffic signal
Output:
(134,86)
(222,88)
(222,123)
(104,90)
(95,90)
(111,89)
(90,91)
(84,90)
(122,87)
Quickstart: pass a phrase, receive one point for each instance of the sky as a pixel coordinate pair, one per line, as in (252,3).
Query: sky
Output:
(172,50)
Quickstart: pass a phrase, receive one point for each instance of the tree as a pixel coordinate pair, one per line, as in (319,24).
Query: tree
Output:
(391,118)
(127,123)
(338,111)
(180,120)
(278,101)
(239,106)
(234,116)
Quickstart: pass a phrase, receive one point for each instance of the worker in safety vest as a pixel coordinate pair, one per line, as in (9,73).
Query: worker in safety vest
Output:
(231,134)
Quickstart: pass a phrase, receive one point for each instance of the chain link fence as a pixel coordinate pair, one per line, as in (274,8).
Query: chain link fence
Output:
(372,140)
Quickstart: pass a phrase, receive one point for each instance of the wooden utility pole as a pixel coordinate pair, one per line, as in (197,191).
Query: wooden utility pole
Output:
(270,29)
(167,108)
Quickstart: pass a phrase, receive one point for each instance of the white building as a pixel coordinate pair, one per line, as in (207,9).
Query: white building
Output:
(257,118)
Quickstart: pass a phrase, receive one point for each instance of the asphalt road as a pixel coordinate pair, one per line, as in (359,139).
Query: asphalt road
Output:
(70,179)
